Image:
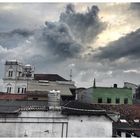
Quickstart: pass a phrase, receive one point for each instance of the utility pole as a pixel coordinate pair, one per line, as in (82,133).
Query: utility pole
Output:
(71,75)
(94,83)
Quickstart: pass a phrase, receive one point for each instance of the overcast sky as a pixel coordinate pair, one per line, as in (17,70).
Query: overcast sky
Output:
(95,40)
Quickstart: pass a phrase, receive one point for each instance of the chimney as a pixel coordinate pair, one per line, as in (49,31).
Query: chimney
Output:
(115,85)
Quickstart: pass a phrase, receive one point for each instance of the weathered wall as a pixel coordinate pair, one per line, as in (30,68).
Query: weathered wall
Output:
(14,84)
(53,124)
(37,86)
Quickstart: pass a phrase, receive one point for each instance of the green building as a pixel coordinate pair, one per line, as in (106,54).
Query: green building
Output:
(112,95)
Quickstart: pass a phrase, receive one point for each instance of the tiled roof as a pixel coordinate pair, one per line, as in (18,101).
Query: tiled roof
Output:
(23,103)
(9,109)
(49,77)
(34,108)
(127,112)
(12,96)
(80,105)
(78,108)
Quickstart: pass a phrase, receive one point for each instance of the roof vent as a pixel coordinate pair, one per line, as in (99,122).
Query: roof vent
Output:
(115,85)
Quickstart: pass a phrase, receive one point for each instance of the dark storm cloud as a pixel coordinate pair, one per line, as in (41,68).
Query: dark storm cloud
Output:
(62,39)
(57,38)
(13,38)
(128,46)
(22,32)
(84,26)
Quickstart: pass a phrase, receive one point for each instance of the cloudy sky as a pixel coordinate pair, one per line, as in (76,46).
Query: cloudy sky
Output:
(95,40)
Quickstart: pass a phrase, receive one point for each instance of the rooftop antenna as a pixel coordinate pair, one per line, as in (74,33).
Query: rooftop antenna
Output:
(71,75)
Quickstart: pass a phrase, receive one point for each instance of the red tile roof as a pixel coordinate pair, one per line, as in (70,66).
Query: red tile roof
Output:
(128,112)
(13,96)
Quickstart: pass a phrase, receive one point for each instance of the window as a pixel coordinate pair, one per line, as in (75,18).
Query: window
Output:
(99,100)
(10,73)
(128,135)
(22,90)
(117,100)
(35,98)
(125,100)
(108,100)
(9,89)
(18,90)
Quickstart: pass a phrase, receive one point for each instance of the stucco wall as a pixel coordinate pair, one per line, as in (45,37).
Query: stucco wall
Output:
(53,124)
(14,84)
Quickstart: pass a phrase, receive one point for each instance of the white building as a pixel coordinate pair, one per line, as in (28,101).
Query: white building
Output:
(19,78)
(16,77)
(54,122)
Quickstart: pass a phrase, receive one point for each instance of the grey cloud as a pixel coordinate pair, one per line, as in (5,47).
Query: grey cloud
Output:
(57,38)
(128,46)
(60,38)
(56,46)
(22,32)
(13,38)
(84,26)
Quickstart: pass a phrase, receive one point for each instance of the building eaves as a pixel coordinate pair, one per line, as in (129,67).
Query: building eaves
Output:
(78,108)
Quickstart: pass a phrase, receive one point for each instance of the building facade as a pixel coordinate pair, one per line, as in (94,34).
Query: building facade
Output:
(16,77)
(19,78)
(54,122)
(106,95)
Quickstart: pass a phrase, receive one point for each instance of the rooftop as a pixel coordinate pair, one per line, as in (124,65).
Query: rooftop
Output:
(9,109)
(127,112)
(78,108)
(6,96)
(49,77)
(11,62)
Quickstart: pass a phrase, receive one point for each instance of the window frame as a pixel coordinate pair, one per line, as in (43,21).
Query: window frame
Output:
(118,100)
